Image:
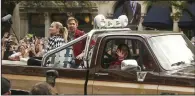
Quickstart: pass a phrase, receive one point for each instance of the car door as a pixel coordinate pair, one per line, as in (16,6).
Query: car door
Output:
(70,80)
(117,81)
(72,72)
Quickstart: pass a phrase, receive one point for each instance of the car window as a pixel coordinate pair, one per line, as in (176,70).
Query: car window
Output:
(145,59)
(136,51)
(109,54)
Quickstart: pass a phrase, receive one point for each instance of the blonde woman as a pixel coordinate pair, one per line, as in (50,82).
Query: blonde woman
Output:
(58,36)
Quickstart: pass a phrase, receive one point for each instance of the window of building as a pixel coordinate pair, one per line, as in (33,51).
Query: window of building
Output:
(59,17)
(84,19)
(37,24)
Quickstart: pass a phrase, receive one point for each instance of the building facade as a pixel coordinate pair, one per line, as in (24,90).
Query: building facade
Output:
(35,17)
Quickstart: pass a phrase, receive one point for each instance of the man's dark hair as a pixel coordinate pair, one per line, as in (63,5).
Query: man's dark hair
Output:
(5,85)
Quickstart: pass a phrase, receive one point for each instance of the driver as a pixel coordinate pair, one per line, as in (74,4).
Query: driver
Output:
(122,53)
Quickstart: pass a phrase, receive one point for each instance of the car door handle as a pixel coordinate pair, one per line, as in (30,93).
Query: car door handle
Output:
(102,74)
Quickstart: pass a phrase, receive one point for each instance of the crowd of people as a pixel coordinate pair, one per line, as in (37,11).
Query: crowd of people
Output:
(27,47)
(36,47)
(33,46)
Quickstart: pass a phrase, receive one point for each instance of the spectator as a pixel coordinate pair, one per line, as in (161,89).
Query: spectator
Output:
(6,46)
(37,49)
(43,88)
(5,86)
(20,54)
(31,47)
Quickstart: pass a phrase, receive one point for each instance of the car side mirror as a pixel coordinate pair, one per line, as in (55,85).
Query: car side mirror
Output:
(127,65)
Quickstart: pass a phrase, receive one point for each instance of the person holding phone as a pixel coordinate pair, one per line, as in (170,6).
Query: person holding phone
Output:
(6,46)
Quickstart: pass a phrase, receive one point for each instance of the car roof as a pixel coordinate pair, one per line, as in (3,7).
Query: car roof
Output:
(146,33)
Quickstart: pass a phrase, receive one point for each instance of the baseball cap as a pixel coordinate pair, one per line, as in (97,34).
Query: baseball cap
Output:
(5,85)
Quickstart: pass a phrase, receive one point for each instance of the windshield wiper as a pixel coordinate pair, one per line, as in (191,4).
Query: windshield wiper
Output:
(178,63)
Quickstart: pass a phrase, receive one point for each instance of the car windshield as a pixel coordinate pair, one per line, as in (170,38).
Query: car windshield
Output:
(171,50)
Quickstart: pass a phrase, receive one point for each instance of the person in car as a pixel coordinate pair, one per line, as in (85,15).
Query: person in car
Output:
(121,54)
(58,36)
(73,33)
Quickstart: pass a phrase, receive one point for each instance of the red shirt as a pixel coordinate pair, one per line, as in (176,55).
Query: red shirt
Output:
(115,64)
(80,46)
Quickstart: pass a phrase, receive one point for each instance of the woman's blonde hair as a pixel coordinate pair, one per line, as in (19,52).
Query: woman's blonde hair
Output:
(63,30)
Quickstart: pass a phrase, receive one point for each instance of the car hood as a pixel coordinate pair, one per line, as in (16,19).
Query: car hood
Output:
(185,72)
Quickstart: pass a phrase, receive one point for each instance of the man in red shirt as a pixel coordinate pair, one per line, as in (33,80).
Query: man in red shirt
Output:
(73,33)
